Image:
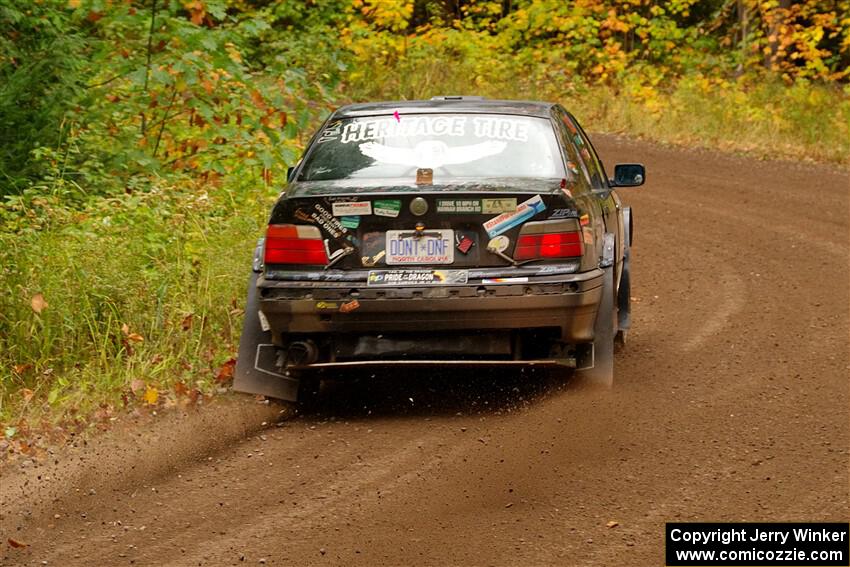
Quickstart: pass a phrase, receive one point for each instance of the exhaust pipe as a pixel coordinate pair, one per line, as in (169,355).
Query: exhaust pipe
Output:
(301,353)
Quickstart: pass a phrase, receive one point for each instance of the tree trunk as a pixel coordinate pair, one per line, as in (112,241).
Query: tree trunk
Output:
(776,19)
(743,17)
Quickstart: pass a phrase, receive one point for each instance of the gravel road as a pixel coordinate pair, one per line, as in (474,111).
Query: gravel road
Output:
(731,404)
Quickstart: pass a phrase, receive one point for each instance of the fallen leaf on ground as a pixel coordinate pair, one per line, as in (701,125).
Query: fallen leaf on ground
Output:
(137,385)
(180,389)
(27,394)
(225,373)
(38,303)
(186,324)
(135,337)
(17,544)
(612,524)
(21,368)
(125,328)
(151,396)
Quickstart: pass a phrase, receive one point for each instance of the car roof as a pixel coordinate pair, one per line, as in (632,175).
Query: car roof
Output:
(440,105)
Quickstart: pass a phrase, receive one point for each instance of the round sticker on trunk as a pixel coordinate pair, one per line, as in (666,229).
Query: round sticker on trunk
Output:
(499,243)
(419,206)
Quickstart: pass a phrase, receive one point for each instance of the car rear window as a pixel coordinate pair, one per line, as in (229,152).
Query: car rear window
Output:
(455,147)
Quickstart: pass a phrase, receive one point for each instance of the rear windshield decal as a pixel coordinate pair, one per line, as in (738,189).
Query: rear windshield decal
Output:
(431,154)
(457,147)
(493,128)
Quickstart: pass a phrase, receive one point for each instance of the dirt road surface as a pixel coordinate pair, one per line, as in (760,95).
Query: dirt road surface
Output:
(731,404)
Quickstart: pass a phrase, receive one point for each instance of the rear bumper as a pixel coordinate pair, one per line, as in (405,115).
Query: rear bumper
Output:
(567,302)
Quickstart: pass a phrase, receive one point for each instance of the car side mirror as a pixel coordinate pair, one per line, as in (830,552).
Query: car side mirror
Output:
(628,175)
(289,173)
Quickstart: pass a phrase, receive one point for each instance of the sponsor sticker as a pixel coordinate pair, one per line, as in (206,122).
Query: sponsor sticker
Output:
(350,222)
(498,206)
(349,307)
(264,322)
(417,277)
(370,261)
(336,255)
(465,244)
(459,206)
(386,208)
(498,244)
(326,305)
(352,208)
(504,280)
(325,220)
(564,214)
(559,269)
(507,221)
(302,216)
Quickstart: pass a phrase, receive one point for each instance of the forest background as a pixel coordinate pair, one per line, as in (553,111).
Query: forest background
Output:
(142,142)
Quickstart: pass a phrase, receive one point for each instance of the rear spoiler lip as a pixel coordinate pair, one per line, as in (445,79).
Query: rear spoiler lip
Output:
(426,363)
(530,186)
(567,271)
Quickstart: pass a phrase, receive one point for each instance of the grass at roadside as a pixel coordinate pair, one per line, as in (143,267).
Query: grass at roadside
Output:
(767,120)
(138,296)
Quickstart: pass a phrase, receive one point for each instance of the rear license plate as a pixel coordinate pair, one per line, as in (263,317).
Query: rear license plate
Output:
(432,247)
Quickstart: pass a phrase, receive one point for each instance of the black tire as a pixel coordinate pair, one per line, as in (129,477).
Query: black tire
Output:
(624,305)
(601,373)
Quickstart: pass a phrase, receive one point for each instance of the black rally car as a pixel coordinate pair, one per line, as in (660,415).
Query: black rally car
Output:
(457,230)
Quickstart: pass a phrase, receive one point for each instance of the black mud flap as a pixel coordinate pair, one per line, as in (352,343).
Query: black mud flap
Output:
(595,362)
(256,367)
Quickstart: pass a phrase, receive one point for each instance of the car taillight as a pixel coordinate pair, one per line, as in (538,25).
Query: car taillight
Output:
(294,244)
(554,245)
(550,239)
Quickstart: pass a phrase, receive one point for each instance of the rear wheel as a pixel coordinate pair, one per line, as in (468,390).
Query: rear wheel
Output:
(599,371)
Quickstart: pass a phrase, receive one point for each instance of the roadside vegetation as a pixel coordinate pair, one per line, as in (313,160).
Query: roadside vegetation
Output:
(142,142)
